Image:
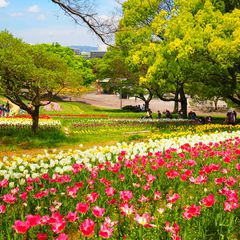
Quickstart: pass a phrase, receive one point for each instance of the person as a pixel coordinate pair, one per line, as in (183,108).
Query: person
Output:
(149,113)
(159,114)
(192,115)
(202,120)
(208,119)
(230,117)
(180,114)
(168,114)
(7,108)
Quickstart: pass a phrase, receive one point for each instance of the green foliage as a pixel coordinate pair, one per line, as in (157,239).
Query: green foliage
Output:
(80,65)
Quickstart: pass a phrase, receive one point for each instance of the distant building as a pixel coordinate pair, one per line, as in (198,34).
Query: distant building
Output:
(97,54)
(77,51)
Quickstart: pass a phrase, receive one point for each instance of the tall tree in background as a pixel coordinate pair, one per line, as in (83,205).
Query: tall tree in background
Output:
(30,75)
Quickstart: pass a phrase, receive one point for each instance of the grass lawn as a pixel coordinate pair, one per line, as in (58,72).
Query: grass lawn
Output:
(89,133)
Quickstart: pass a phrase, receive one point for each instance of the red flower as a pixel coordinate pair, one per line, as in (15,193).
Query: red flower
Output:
(192,211)
(98,212)
(62,236)
(209,200)
(105,232)
(21,227)
(9,198)
(72,217)
(3,183)
(2,209)
(92,197)
(173,198)
(42,236)
(33,220)
(87,227)
(110,191)
(82,207)
(126,195)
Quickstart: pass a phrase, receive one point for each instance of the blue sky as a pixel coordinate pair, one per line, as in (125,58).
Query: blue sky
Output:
(37,21)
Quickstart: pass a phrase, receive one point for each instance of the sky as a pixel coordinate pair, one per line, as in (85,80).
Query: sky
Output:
(42,21)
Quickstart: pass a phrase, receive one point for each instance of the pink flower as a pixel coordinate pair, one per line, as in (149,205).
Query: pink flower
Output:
(172,174)
(230,206)
(3,183)
(2,209)
(21,227)
(42,236)
(105,232)
(143,199)
(33,220)
(72,191)
(109,223)
(82,207)
(126,195)
(126,209)
(24,196)
(110,191)
(87,227)
(144,220)
(9,198)
(209,200)
(157,196)
(72,217)
(92,197)
(62,236)
(98,212)
(173,198)
(192,211)
(150,178)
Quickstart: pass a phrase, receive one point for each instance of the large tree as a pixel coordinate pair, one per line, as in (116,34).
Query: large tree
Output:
(29,75)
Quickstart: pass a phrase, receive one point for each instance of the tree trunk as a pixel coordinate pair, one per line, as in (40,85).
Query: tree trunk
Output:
(175,109)
(146,102)
(215,104)
(35,119)
(183,101)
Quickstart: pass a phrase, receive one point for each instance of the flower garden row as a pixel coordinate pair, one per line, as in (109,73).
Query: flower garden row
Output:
(180,188)
(9,122)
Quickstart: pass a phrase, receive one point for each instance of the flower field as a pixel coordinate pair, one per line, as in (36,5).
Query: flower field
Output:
(23,122)
(184,187)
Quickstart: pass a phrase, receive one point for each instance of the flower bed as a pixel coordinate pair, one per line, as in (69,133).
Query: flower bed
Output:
(182,188)
(6,123)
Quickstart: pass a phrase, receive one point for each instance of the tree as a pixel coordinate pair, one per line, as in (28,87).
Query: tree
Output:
(83,67)
(84,12)
(30,74)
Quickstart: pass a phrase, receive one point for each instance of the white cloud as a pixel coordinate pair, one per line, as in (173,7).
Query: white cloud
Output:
(3,3)
(41,17)
(34,9)
(16,14)
(66,36)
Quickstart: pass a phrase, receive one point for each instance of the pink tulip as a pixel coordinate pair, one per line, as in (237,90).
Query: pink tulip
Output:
(9,198)
(105,232)
(126,195)
(72,217)
(21,227)
(33,220)
(98,212)
(87,227)
(209,200)
(42,236)
(2,208)
(3,183)
(62,236)
(82,207)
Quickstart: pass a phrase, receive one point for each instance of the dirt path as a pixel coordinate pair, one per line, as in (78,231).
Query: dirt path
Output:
(113,101)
